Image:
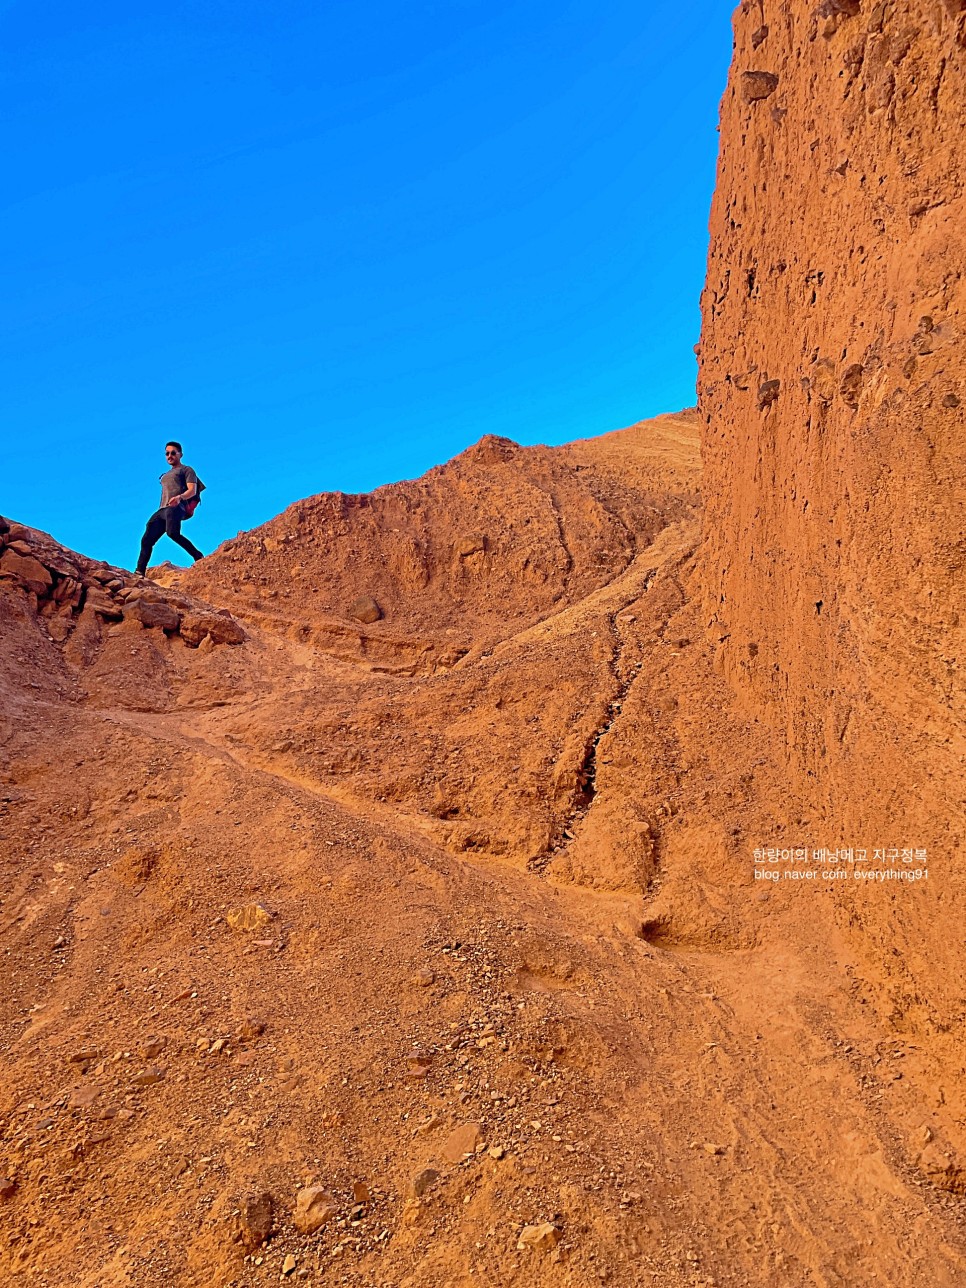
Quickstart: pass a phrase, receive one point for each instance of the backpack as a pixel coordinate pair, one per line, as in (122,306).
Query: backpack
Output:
(193,502)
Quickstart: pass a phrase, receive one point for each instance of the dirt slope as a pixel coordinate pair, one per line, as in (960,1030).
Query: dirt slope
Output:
(513,967)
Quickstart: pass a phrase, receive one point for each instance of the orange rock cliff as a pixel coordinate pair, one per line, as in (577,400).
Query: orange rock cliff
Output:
(380,901)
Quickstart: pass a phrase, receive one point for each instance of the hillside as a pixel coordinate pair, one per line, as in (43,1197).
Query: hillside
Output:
(458,884)
(508,964)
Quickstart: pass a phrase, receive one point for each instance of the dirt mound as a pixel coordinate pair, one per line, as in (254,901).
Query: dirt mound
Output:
(415,574)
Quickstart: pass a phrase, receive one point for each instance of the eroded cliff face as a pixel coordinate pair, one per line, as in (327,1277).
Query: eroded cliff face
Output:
(833,387)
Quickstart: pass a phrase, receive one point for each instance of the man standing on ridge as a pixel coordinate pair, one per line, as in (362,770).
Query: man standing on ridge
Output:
(178,485)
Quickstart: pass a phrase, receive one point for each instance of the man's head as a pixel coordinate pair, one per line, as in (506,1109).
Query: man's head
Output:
(172,452)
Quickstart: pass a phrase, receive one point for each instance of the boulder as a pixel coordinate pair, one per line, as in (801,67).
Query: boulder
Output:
(102,603)
(218,627)
(69,591)
(153,614)
(30,572)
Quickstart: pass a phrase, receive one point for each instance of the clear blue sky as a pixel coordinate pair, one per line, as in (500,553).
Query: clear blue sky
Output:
(329,245)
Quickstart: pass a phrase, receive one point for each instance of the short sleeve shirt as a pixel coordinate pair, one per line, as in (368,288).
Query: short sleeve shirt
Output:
(177,480)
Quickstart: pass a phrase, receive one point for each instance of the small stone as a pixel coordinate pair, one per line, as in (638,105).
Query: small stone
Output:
(152,1048)
(419,1064)
(361,1192)
(496,1151)
(250,916)
(83,1097)
(543,1238)
(86,1055)
(951,400)
(365,609)
(768,393)
(757,85)
(148,1077)
(423,1181)
(471,544)
(255,1219)
(8,1187)
(462,1141)
(289,1264)
(424,978)
(313,1207)
(251,1029)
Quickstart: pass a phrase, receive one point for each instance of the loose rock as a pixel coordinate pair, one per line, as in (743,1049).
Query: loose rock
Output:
(250,916)
(461,1141)
(256,1219)
(542,1238)
(30,572)
(365,609)
(313,1207)
(423,1181)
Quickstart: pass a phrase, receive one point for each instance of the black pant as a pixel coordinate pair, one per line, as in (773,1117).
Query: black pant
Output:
(167,519)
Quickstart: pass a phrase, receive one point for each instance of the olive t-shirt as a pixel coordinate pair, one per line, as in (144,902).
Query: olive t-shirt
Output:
(177,480)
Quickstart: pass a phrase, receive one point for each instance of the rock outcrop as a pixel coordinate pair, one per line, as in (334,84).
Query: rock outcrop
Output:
(832,384)
(66,589)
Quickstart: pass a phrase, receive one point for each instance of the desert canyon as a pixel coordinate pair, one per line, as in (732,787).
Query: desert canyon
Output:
(380,900)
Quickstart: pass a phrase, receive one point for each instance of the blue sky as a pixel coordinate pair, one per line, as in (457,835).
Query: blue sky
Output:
(327,246)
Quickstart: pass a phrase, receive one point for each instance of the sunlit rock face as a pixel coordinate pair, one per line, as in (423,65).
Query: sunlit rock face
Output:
(832,391)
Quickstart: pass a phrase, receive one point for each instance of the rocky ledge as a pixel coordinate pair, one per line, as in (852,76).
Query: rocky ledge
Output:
(63,585)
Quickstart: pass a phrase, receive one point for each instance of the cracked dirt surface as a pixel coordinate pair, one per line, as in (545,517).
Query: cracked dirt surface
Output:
(514,968)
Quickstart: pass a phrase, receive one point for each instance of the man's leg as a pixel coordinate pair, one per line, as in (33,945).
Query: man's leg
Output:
(155,526)
(173,524)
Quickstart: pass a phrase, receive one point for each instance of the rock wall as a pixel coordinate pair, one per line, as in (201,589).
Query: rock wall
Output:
(75,597)
(832,390)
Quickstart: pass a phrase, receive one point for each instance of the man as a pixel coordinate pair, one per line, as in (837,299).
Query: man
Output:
(178,485)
